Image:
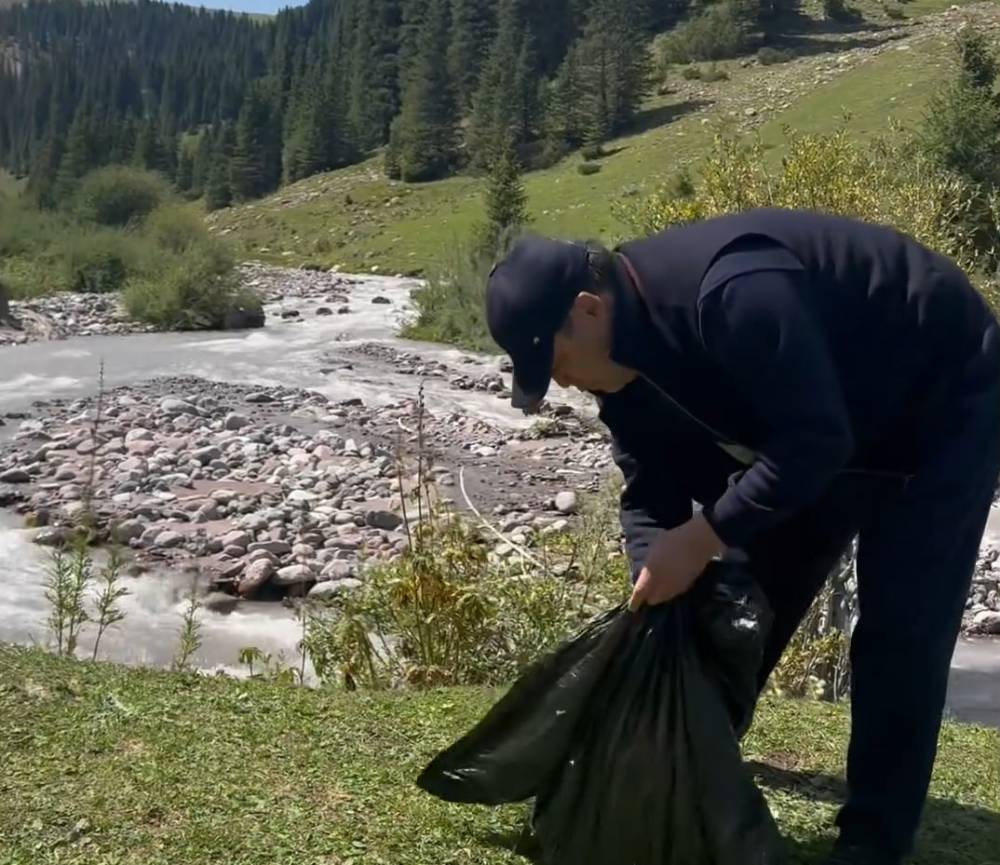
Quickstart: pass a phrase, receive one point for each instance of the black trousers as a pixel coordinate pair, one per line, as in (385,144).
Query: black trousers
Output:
(917,547)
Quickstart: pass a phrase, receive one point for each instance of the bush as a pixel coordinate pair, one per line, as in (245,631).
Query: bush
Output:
(894,11)
(588,168)
(176,229)
(451,307)
(119,195)
(769,56)
(714,72)
(99,262)
(592,151)
(717,33)
(195,291)
(882,182)
(691,73)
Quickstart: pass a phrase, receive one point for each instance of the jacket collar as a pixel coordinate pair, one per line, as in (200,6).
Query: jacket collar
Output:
(633,336)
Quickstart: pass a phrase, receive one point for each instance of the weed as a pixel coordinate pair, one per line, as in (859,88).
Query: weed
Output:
(190,635)
(69,577)
(107,611)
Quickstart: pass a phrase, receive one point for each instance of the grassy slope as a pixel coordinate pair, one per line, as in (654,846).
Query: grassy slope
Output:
(172,769)
(405,226)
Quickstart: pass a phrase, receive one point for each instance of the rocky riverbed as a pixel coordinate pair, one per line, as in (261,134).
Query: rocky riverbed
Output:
(274,490)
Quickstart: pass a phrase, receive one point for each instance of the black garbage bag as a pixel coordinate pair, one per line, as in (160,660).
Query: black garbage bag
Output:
(627,737)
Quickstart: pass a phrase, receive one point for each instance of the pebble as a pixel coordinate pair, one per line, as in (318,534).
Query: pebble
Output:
(381,519)
(235,421)
(205,455)
(333,588)
(293,575)
(278,548)
(173,406)
(236,538)
(566,503)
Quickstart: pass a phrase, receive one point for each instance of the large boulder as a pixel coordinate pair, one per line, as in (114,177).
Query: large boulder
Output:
(244,318)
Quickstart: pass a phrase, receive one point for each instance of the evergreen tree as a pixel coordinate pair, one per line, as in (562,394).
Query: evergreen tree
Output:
(202,163)
(614,68)
(496,114)
(374,71)
(506,202)
(185,170)
(566,114)
(472,32)
(78,157)
(424,139)
(42,179)
(527,104)
(218,188)
(150,152)
(256,160)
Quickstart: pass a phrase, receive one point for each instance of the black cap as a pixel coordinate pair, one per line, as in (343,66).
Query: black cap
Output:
(528,296)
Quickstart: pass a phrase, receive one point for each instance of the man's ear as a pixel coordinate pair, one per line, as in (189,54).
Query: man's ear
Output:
(589,304)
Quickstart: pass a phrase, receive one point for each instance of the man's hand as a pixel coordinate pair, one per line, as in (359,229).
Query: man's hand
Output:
(675,560)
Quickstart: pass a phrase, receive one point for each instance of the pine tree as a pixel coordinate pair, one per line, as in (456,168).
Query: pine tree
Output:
(506,202)
(472,32)
(496,115)
(566,114)
(614,68)
(424,138)
(527,104)
(218,188)
(202,164)
(150,152)
(374,71)
(78,157)
(41,181)
(184,178)
(256,161)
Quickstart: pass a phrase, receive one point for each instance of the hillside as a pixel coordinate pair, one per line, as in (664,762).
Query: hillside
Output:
(355,218)
(105,764)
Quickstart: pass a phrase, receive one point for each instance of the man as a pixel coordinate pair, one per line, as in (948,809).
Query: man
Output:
(806,379)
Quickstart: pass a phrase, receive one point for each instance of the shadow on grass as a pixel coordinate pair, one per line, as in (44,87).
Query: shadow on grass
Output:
(805,46)
(951,833)
(661,116)
(798,22)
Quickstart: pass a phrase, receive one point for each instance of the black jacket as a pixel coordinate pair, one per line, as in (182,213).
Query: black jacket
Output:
(777,349)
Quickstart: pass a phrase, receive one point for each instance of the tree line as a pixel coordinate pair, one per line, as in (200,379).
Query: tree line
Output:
(230,107)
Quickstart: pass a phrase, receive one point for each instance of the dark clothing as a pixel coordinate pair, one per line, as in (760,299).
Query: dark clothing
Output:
(815,344)
(863,373)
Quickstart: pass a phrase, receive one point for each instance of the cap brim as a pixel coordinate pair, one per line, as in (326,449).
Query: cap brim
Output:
(531,381)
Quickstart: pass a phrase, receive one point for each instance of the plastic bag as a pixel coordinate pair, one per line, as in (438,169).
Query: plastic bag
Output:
(627,737)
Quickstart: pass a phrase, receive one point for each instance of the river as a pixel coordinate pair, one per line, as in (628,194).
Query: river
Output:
(285,353)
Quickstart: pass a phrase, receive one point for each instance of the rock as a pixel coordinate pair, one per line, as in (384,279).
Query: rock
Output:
(206,513)
(236,538)
(987,622)
(242,318)
(168,539)
(142,448)
(15,476)
(386,520)
(207,454)
(263,556)
(138,434)
(290,313)
(278,548)
(125,531)
(332,588)
(293,575)
(303,551)
(566,503)
(65,473)
(259,397)
(232,569)
(324,310)
(220,602)
(55,536)
(255,575)
(339,570)
(235,421)
(381,300)
(173,406)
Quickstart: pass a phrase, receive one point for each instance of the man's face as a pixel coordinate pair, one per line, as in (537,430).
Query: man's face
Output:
(582,347)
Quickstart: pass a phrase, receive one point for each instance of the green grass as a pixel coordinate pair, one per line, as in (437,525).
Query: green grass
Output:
(356,219)
(173,769)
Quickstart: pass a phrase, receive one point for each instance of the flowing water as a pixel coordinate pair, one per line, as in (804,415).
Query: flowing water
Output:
(286,354)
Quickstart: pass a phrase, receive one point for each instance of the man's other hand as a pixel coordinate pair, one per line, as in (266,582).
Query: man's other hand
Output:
(675,560)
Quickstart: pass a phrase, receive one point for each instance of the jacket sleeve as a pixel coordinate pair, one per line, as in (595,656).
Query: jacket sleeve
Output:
(758,329)
(651,502)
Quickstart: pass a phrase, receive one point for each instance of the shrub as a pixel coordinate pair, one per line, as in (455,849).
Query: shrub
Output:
(195,291)
(714,72)
(717,33)
(450,308)
(691,73)
(881,182)
(119,195)
(96,262)
(592,151)
(894,11)
(588,168)
(770,56)
(176,229)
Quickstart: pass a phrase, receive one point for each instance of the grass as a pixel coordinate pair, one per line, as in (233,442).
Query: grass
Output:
(356,219)
(104,764)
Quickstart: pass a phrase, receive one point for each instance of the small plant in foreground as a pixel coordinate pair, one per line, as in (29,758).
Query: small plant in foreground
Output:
(107,611)
(69,577)
(190,635)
